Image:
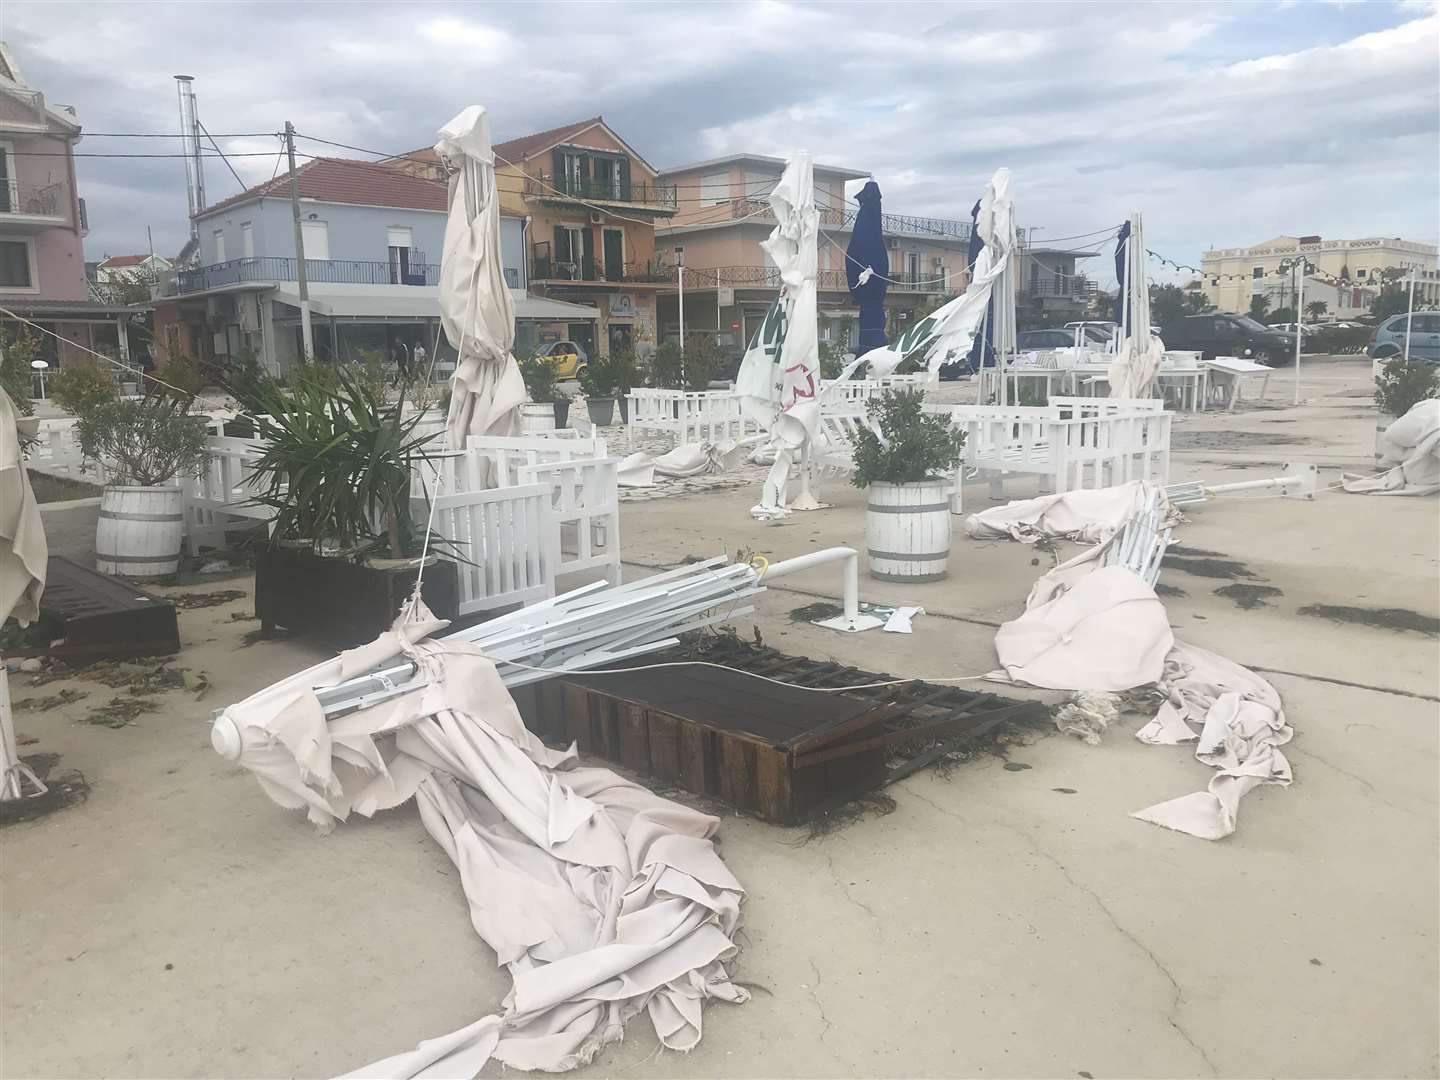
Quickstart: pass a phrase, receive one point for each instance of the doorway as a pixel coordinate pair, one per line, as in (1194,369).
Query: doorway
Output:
(622,338)
(583,334)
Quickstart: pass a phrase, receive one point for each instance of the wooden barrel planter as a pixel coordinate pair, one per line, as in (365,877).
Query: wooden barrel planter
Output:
(537,417)
(907,531)
(139,531)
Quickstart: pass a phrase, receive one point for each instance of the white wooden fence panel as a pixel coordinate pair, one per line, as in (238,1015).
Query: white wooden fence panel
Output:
(504,543)
(688,417)
(585,505)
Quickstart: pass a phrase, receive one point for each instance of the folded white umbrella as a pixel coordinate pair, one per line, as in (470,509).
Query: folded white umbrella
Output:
(475,306)
(1411,446)
(779,378)
(23,551)
(1138,352)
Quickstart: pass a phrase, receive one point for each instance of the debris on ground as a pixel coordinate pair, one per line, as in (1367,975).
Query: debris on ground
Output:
(243,616)
(120,712)
(1087,714)
(188,601)
(142,678)
(63,788)
(50,701)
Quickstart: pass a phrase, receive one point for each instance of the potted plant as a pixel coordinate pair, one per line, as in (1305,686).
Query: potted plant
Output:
(600,383)
(145,447)
(81,387)
(346,541)
(906,465)
(1399,387)
(549,406)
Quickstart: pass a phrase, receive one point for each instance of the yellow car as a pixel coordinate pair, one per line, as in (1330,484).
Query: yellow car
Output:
(567,358)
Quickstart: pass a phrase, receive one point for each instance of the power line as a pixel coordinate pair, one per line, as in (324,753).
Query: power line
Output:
(203,152)
(169,135)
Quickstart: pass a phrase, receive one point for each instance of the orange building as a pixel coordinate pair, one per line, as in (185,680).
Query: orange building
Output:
(590,204)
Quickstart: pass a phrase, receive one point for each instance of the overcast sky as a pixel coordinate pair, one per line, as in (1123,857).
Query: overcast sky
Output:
(1223,124)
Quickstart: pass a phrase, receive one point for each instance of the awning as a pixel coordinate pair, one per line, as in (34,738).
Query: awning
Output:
(385,303)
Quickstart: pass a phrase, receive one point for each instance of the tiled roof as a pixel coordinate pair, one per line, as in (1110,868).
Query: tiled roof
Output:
(526,145)
(114,262)
(342,180)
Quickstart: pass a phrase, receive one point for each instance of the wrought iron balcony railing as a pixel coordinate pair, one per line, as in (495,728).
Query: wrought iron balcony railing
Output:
(618,190)
(546,268)
(35,200)
(842,219)
(317,271)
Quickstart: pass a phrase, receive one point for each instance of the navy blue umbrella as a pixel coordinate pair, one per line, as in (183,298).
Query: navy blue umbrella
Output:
(983,345)
(867,250)
(1121,299)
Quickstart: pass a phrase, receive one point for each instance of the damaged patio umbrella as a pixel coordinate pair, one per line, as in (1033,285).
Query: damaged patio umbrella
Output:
(475,306)
(867,284)
(779,379)
(950,330)
(23,557)
(1138,352)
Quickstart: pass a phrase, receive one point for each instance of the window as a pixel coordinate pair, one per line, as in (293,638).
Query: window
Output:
(399,240)
(219,235)
(315,236)
(912,267)
(15,271)
(1361,274)
(714,188)
(247,240)
(613,248)
(1258,272)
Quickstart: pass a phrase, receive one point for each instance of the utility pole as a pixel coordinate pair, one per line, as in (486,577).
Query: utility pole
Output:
(1409,315)
(306,335)
(1299,307)
(680,281)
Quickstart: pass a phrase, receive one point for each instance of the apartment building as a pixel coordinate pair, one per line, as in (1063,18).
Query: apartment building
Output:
(372,237)
(590,205)
(721,217)
(1233,276)
(42,228)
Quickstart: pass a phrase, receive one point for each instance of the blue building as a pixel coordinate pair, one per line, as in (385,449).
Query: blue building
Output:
(372,238)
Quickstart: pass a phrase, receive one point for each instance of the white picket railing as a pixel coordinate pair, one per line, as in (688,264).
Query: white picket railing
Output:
(222,495)
(585,506)
(503,541)
(688,417)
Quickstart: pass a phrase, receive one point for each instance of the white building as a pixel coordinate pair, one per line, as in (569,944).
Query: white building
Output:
(1233,276)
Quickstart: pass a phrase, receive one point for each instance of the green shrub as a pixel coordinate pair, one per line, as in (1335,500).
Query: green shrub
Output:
(143,442)
(609,376)
(912,446)
(79,388)
(670,369)
(832,360)
(337,460)
(1400,386)
(539,376)
(179,380)
(20,346)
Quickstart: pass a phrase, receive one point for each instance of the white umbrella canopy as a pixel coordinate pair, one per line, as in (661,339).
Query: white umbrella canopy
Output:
(23,551)
(1138,352)
(475,306)
(779,379)
(951,328)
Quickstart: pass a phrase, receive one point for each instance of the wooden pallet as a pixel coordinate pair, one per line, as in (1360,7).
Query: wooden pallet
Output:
(102,617)
(771,748)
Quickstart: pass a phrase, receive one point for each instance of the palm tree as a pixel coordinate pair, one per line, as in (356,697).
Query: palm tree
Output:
(1259,305)
(1315,309)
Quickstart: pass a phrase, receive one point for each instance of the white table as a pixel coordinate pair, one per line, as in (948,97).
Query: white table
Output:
(1189,381)
(1227,373)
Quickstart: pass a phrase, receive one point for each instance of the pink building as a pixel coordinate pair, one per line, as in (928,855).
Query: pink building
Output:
(721,218)
(42,226)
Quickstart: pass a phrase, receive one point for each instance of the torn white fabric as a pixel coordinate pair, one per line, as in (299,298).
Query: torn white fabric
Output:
(601,898)
(1239,723)
(476,310)
(1107,631)
(950,329)
(1138,353)
(1086,516)
(24,552)
(1087,715)
(901,618)
(1411,446)
(688,459)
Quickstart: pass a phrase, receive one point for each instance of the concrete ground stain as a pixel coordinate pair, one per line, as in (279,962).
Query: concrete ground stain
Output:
(1248,596)
(1401,620)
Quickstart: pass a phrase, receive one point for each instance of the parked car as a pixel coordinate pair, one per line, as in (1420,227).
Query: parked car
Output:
(1389,337)
(1095,334)
(1096,330)
(566,357)
(1305,330)
(1220,334)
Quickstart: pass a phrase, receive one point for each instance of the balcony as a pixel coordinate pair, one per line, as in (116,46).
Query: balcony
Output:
(656,198)
(271,269)
(840,219)
(753,277)
(545,268)
(1074,287)
(33,207)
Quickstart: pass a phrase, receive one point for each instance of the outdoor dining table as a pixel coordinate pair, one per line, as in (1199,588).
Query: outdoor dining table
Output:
(1188,381)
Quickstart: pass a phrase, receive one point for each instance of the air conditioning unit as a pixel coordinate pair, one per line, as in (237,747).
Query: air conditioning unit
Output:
(596,217)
